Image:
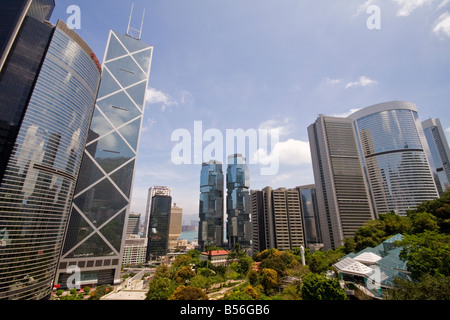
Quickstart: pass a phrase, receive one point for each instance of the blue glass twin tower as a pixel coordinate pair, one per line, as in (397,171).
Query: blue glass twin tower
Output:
(211,209)
(211,205)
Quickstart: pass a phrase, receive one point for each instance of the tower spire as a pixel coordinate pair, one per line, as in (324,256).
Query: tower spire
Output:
(135,33)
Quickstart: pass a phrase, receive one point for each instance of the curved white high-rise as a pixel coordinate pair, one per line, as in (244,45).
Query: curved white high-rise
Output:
(394,153)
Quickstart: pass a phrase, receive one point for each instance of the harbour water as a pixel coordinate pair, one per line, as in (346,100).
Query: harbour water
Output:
(189,235)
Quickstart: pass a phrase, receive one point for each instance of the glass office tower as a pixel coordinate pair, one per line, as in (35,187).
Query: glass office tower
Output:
(96,232)
(24,38)
(159,226)
(341,189)
(48,85)
(238,202)
(310,215)
(440,152)
(394,153)
(210,230)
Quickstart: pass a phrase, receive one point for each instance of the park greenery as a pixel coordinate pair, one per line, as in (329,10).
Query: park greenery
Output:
(280,275)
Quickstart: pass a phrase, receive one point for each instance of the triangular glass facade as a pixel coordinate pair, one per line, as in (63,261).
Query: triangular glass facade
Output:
(103,192)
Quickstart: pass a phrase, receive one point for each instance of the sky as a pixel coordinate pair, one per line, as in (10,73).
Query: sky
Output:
(268,64)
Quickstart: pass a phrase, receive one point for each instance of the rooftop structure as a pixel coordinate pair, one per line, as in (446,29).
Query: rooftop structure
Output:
(374,269)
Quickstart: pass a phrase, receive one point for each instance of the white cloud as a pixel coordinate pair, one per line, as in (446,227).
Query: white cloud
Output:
(155,96)
(332,81)
(150,123)
(363,82)
(281,126)
(442,27)
(406,7)
(443,3)
(345,114)
(166,101)
(290,152)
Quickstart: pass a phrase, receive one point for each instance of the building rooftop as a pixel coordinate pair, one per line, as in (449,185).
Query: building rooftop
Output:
(367,258)
(381,263)
(217,252)
(349,265)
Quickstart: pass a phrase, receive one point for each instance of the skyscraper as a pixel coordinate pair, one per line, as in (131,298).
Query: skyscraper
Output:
(152,191)
(97,227)
(238,202)
(342,193)
(310,215)
(24,38)
(133,223)
(260,229)
(394,153)
(440,152)
(276,219)
(176,220)
(159,225)
(48,85)
(211,214)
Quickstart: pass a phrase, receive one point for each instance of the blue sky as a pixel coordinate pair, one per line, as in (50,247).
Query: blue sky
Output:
(253,64)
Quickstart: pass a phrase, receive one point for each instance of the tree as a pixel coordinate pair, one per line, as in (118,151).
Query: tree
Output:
(244,265)
(426,253)
(269,280)
(293,291)
(248,293)
(100,291)
(160,288)
(200,281)
(188,293)
(237,252)
(253,277)
(422,221)
(184,274)
(439,208)
(373,232)
(428,288)
(317,287)
(162,271)
(180,262)
(321,261)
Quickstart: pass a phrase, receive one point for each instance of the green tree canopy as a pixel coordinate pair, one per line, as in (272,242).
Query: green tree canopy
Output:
(184,274)
(160,288)
(269,280)
(429,288)
(188,293)
(426,253)
(317,287)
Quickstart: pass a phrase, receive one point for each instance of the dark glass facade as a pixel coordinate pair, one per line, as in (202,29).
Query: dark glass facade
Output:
(40,175)
(211,231)
(310,215)
(238,202)
(97,226)
(24,39)
(158,229)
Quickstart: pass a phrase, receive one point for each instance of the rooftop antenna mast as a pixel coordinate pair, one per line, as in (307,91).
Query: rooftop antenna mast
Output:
(135,33)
